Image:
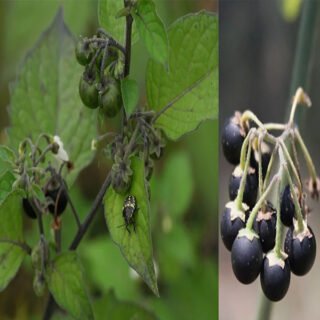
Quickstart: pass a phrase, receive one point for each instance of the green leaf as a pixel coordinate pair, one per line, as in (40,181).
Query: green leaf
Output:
(7,179)
(96,255)
(66,283)
(7,154)
(151,30)
(135,246)
(188,93)
(11,255)
(176,184)
(37,192)
(115,26)
(130,95)
(45,97)
(119,310)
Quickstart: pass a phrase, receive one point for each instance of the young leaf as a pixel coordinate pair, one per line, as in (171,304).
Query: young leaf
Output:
(45,97)
(66,283)
(7,179)
(136,246)
(108,11)
(152,30)
(11,255)
(130,95)
(187,94)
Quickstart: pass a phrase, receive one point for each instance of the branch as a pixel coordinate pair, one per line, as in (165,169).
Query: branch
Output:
(127,61)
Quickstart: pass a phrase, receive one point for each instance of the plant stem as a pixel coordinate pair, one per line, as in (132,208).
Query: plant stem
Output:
(306,154)
(243,154)
(127,61)
(94,209)
(277,247)
(302,61)
(243,181)
(249,115)
(265,307)
(51,304)
(260,202)
(298,213)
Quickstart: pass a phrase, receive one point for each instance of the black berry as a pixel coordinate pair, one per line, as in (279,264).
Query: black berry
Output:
(251,187)
(233,135)
(246,257)
(287,207)
(265,226)
(59,198)
(275,277)
(232,221)
(28,209)
(265,159)
(301,250)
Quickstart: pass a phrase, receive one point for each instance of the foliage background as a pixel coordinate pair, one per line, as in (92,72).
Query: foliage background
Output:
(257,49)
(186,252)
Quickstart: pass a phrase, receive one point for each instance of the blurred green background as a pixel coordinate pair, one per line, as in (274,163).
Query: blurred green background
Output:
(257,50)
(183,199)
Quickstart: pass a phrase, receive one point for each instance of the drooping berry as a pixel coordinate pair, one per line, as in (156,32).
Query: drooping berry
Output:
(301,249)
(83,51)
(287,207)
(265,226)
(232,221)
(275,276)
(110,97)
(88,90)
(251,187)
(58,198)
(233,135)
(246,256)
(28,209)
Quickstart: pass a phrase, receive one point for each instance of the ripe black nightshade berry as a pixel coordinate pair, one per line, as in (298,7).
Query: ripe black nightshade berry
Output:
(275,276)
(251,187)
(28,209)
(129,211)
(265,226)
(246,256)
(287,207)
(301,250)
(233,135)
(232,221)
(59,198)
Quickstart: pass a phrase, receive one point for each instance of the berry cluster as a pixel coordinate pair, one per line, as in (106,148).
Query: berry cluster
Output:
(251,225)
(103,59)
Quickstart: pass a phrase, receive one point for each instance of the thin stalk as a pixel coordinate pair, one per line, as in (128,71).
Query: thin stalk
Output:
(275,126)
(279,227)
(292,166)
(127,59)
(260,179)
(243,154)
(249,115)
(307,157)
(269,169)
(302,61)
(298,213)
(243,181)
(260,202)
(265,308)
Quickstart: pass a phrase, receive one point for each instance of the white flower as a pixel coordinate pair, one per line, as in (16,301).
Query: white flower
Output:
(61,154)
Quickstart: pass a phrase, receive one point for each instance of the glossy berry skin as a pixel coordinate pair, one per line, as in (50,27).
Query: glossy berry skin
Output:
(28,209)
(129,211)
(110,98)
(251,187)
(287,207)
(60,198)
(83,52)
(232,139)
(265,227)
(301,250)
(246,257)
(231,222)
(88,91)
(274,279)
